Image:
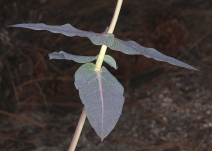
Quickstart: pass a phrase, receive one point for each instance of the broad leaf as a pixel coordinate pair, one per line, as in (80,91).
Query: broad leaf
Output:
(68,56)
(70,31)
(102,96)
(131,47)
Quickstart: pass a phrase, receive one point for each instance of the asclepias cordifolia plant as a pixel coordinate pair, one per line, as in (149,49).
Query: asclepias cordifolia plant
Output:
(99,90)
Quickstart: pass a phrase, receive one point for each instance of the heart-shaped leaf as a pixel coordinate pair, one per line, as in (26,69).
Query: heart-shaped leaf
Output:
(131,47)
(70,31)
(102,96)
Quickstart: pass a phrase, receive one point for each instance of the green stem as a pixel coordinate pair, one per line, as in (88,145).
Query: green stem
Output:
(110,30)
(97,68)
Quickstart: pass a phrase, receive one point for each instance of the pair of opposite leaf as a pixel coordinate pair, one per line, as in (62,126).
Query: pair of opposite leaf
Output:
(100,91)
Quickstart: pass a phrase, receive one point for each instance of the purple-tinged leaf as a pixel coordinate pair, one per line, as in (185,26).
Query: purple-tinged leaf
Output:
(102,96)
(133,48)
(70,31)
(110,61)
(82,59)
(68,56)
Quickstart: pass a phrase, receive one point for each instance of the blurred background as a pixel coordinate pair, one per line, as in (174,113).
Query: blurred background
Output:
(167,108)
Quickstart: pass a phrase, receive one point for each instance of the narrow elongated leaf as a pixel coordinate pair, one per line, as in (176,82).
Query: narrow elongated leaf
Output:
(70,31)
(68,56)
(81,59)
(131,47)
(127,47)
(102,96)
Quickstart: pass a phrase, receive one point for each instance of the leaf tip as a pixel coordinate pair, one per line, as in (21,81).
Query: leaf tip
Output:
(102,139)
(106,30)
(50,56)
(11,26)
(197,70)
(192,68)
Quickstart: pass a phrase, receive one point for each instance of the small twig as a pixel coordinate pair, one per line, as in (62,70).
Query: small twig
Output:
(198,41)
(42,94)
(55,68)
(200,144)
(62,78)
(40,60)
(23,118)
(14,86)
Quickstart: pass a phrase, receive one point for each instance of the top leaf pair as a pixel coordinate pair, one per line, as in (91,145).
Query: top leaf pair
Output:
(108,39)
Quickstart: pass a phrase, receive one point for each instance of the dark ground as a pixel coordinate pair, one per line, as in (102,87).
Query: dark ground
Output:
(167,108)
